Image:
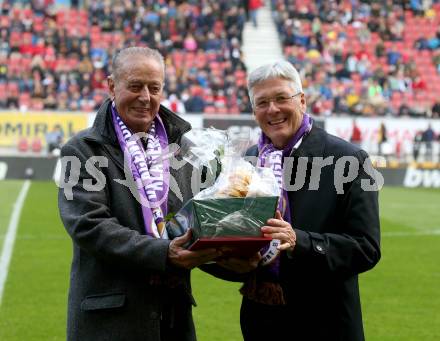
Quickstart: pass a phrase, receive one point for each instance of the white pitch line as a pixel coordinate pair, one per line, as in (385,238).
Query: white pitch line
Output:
(412,234)
(8,244)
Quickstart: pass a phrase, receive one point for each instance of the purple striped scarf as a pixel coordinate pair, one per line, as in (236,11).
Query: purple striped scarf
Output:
(264,286)
(270,156)
(149,168)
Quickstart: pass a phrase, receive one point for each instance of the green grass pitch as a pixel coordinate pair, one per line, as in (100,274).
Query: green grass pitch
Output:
(400,297)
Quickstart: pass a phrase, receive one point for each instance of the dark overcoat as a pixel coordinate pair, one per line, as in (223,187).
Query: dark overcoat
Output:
(338,237)
(120,285)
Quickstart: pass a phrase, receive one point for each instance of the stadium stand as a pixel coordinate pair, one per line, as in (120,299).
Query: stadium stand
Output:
(357,57)
(364,57)
(59,58)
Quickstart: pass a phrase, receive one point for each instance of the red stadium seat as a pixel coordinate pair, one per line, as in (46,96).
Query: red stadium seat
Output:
(38,27)
(24,100)
(222,110)
(23,145)
(27,13)
(95,29)
(234,110)
(4,21)
(210,110)
(3,94)
(60,17)
(36,145)
(117,38)
(14,37)
(12,88)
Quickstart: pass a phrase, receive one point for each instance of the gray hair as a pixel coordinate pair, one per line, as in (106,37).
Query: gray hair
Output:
(280,69)
(120,56)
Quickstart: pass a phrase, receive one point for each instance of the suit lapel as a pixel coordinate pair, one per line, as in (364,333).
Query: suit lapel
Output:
(312,145)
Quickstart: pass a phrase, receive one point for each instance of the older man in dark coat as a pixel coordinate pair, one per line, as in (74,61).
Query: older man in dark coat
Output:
(326,230)
(128,280)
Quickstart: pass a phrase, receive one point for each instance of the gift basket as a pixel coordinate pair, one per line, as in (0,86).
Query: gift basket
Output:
(232,211)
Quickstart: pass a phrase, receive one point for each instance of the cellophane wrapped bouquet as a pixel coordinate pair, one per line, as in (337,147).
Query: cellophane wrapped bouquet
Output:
(241,199)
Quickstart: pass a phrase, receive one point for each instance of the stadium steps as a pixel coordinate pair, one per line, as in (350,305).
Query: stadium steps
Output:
(261,45)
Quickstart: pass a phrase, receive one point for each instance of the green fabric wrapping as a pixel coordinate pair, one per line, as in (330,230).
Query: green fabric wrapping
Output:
(223,217)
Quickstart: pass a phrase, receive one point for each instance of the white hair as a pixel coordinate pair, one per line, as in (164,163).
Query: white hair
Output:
(280,69)
(120,58)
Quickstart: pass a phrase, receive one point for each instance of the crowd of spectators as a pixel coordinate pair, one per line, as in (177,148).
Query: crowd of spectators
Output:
(59,58)
(356,57)
(364,57)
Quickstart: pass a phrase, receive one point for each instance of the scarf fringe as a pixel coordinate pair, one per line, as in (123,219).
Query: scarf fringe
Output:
(269,293)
